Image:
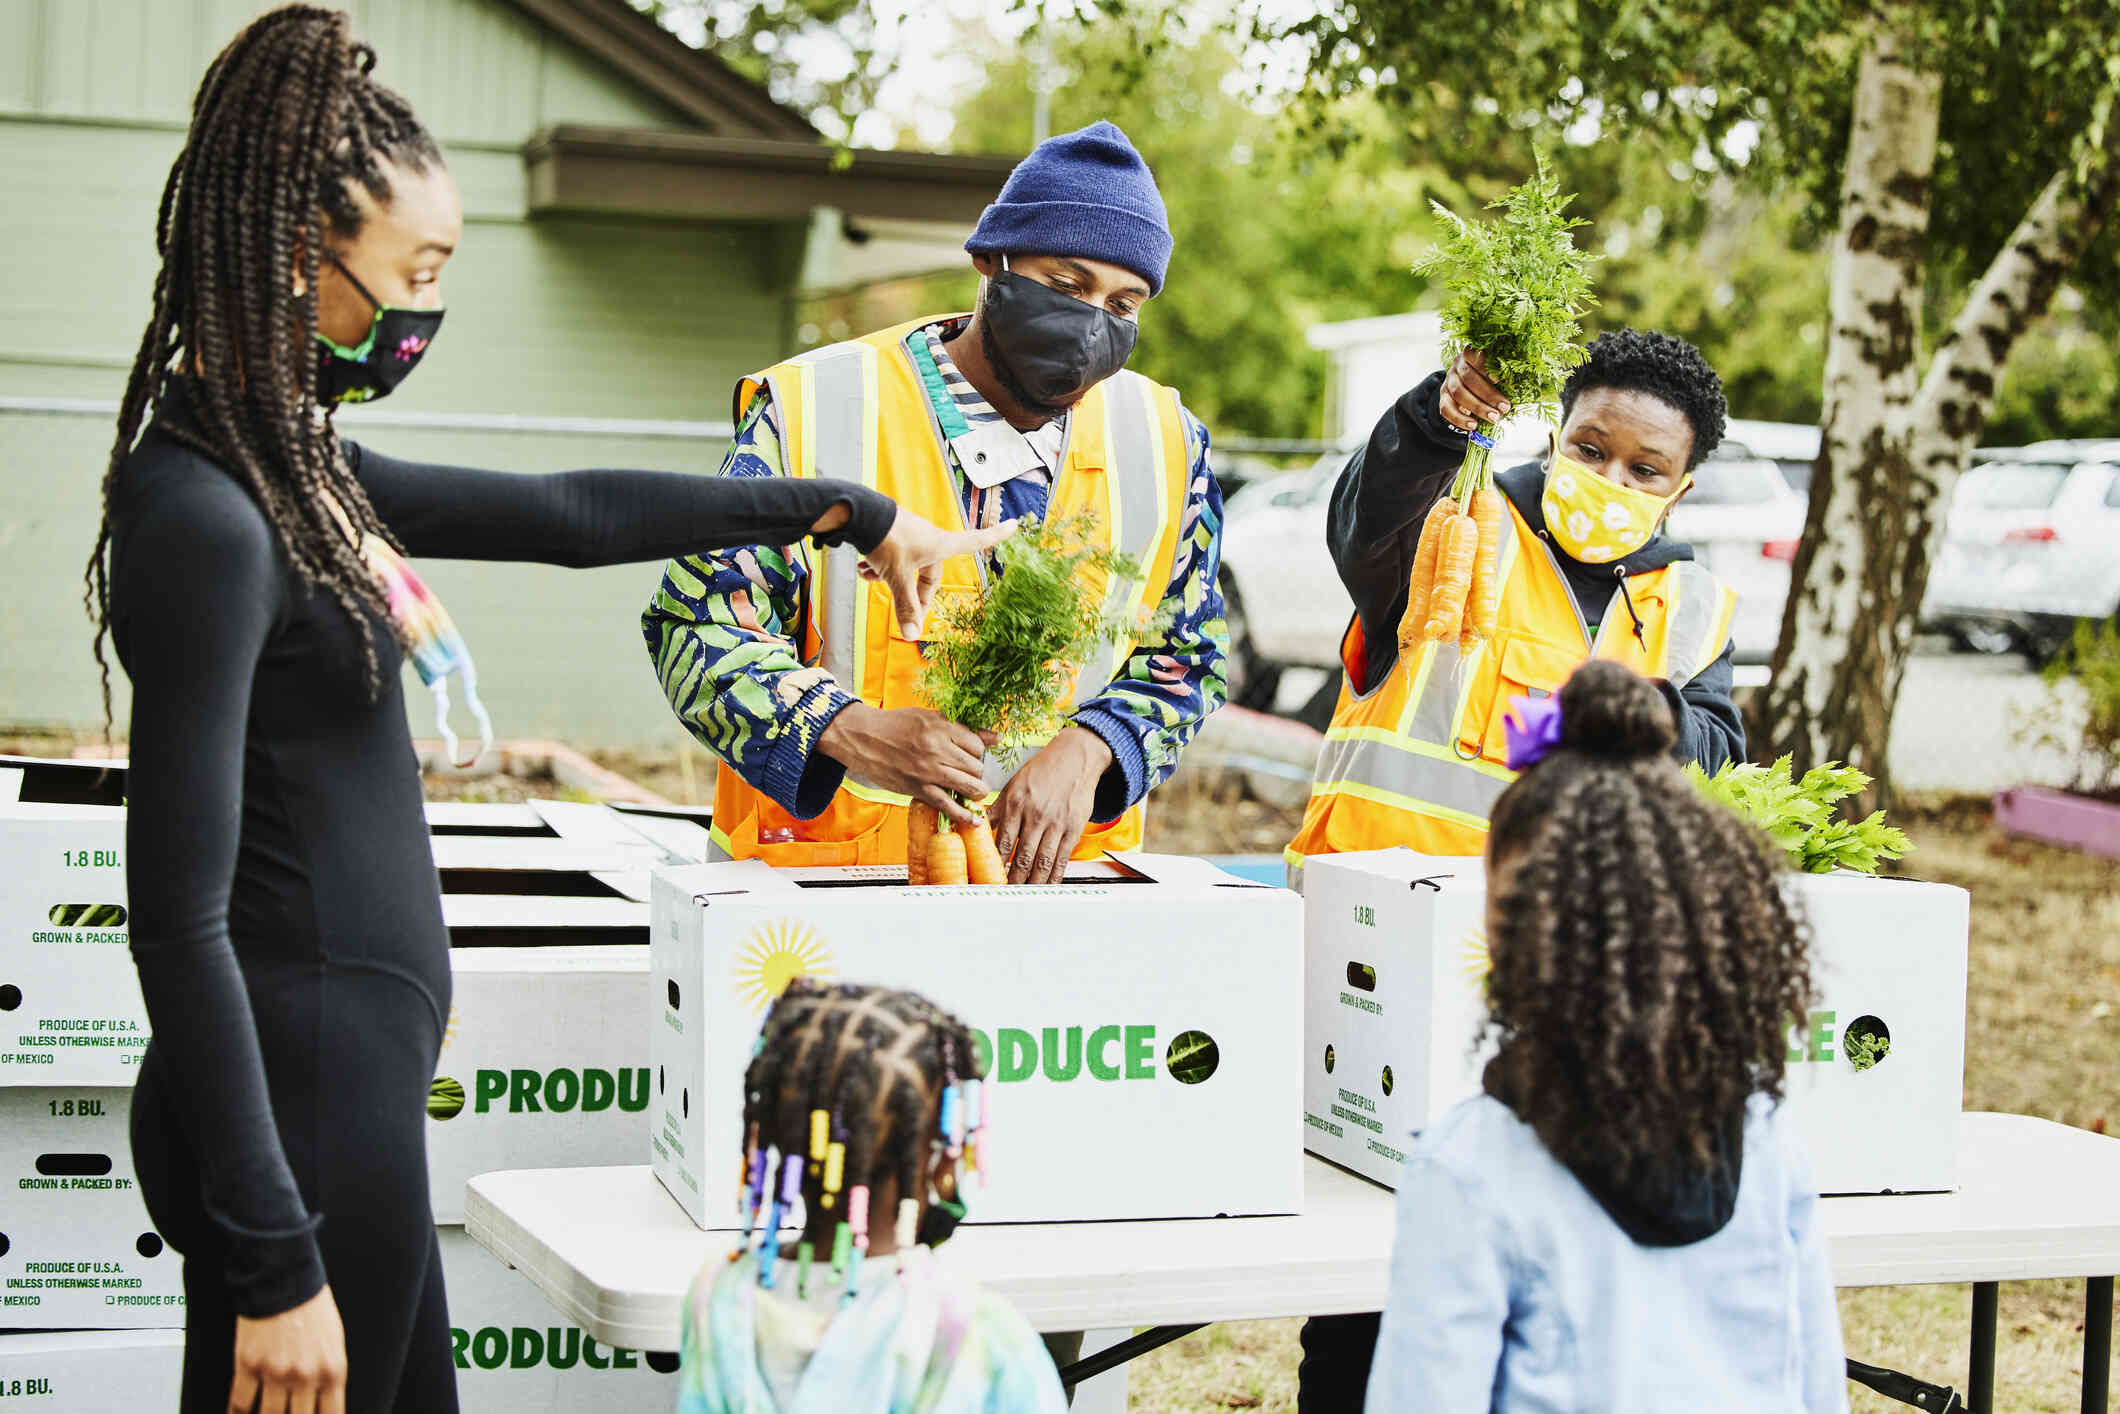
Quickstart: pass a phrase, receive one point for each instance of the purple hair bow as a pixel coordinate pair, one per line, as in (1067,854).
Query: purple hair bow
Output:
(1531,728)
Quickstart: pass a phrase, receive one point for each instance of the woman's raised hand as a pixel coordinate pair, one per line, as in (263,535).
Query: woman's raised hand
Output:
(909,561)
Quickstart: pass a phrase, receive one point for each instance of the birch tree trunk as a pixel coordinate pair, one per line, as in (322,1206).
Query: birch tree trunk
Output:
(1853,594)
(1893,448)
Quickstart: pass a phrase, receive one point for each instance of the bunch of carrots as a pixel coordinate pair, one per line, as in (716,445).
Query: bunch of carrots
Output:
(1517,290)
(1456,593)
(960,854)
(1006,662)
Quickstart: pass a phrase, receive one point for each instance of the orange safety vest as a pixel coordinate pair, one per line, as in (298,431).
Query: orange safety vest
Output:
(1418,759)
(858,411)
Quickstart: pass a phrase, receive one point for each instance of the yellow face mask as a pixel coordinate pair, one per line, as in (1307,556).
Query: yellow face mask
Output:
(1597,521)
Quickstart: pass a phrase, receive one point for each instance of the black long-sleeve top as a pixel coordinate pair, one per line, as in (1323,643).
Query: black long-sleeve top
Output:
(1387,490)
(275,825)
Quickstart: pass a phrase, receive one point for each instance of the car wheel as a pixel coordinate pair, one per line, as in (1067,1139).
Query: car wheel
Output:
(1253,681)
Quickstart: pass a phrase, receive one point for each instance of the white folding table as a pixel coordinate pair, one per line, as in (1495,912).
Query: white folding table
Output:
(615,1253)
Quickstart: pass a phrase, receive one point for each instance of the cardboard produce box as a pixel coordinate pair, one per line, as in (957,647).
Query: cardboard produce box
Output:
(545,1064)
(70,1006)
(1395,957)
(515,1354)
(76,1246)
(1144,1022)
(91,1372)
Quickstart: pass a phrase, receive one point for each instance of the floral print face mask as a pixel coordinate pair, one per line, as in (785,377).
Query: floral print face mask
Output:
(1595,520)
(397,336)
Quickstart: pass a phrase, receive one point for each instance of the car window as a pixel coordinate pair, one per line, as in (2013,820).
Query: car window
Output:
(2010,486)
(2112,492)
(1722,482)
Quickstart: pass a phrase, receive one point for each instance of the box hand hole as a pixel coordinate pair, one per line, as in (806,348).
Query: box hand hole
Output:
(1361,976)
(73,1165)
(87,915)
(1866,1042)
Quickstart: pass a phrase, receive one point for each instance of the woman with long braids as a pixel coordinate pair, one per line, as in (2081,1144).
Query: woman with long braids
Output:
(285,915)
(865,1112)
(1625,1219)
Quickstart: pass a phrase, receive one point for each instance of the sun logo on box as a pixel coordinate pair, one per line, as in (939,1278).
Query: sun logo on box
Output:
(775,954)
(1474,959)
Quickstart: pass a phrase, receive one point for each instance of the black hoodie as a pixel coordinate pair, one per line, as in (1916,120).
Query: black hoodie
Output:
(1660,1202)
(1387,490)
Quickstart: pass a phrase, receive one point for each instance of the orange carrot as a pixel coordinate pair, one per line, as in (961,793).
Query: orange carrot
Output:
(1483,609)
(1422,586)
(982,856)
(945,857)
(919,829)
(1453,579)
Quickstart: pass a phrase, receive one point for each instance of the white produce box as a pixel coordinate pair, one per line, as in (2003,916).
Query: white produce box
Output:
(1395,952)
(1082,991)
(515,1354)
(70,1007)
(76,1246)
(544,1064)
(512,1352)
(91,1372)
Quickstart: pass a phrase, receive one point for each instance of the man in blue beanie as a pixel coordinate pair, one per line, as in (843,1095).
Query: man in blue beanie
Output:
(795,673)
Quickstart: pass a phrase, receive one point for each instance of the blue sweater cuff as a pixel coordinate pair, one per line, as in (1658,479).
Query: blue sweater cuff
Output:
(798,777)
(1125,781)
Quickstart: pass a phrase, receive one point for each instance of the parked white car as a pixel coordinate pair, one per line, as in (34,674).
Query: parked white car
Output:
(2032,544)
(1743,520)
(1288,609)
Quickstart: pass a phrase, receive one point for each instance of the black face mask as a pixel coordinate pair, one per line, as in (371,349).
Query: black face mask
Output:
(939,1223)
(397,336)
(1047,347)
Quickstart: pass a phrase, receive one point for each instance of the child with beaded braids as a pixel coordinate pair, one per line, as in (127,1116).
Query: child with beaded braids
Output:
(1625,1219)
(867,1108)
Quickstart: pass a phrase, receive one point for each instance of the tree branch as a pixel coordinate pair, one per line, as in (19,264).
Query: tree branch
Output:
(2013,294)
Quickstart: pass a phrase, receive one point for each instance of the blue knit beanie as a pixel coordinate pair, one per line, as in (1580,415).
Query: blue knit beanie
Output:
(1084,193)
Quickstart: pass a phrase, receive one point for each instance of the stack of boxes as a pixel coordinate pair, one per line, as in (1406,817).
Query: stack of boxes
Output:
(543,1066)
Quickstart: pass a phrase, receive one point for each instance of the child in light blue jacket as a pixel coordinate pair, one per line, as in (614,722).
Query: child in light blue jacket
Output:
(1625,1220)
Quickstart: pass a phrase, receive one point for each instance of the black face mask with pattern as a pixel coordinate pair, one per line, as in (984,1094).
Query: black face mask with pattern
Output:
(1049,348)
(397,336)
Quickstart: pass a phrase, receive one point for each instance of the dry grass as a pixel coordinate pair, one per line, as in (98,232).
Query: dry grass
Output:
(2042,1027)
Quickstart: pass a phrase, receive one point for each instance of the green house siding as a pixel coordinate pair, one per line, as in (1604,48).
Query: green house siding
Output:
(479,71)
(555,316)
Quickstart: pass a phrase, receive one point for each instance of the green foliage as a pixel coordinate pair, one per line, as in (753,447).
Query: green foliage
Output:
(827,59)
(2081,716)
(1864,1049)
(1518,288)
(1005,661)
(1760,92)
(2063,381)
(1799,816)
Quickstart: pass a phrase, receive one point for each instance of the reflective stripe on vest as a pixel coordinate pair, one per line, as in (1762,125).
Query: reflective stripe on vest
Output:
(1417,760)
